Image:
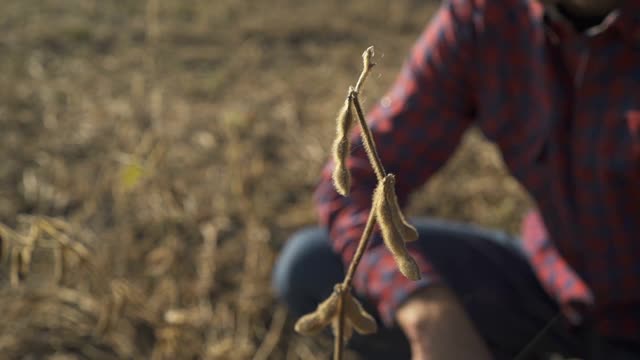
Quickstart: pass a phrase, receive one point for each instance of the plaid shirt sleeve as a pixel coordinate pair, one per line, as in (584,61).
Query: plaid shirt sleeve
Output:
(416,127)
(556,276)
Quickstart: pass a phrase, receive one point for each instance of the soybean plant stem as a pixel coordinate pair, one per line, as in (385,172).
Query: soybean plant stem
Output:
(367,139)
(376,163)
(338,343)
(367,64)
(362,246)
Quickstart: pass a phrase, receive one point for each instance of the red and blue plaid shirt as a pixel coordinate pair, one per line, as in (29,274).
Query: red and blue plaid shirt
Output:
(564,109)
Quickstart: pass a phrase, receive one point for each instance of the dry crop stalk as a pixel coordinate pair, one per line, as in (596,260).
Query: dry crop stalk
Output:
(341,310)
(18,249)
(59,266)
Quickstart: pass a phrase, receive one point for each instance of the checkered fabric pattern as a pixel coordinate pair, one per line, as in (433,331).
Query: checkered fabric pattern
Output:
(564,109)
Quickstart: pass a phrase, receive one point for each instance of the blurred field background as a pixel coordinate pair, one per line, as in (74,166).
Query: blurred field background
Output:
(155,155)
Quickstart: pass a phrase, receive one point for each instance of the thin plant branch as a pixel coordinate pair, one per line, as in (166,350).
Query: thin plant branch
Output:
(362,246)
(339,335)
(367,64)
(367,137)
(341,309)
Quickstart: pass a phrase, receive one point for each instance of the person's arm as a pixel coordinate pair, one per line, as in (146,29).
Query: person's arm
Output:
(416,127)
(438,327)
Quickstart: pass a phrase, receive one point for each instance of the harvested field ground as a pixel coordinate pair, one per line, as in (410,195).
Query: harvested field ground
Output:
(155,155)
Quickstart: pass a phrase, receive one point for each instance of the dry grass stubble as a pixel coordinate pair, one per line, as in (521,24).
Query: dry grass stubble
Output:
(179,143)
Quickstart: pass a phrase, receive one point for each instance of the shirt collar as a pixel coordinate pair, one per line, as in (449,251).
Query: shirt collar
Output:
(625,20)
(628,22)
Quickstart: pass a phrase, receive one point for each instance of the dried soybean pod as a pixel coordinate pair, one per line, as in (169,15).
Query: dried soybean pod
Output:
(409,268)
(309,324)
(342,147)
(314,322)
(408,232)
(362,322)
(390,233)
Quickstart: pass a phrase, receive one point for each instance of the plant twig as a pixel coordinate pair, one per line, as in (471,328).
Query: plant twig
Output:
(367,64)
(333,310)
(362,246)
(273,335)
(367,137)
(376,163)
(374,158)
(338,344)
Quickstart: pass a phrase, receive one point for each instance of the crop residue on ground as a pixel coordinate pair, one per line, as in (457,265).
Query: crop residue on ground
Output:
(179,142)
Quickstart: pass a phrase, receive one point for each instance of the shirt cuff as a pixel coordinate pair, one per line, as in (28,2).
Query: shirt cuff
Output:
(380,281)
(558,279)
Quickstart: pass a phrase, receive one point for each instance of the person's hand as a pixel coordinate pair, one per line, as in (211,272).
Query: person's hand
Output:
(438,327)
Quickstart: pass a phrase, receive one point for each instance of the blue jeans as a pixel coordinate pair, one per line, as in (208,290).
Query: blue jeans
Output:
(485,269)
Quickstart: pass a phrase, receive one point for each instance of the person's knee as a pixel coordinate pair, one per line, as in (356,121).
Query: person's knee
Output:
(291,261)
(306,269)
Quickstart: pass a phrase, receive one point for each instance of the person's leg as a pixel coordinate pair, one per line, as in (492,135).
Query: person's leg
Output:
(497,287)
(483,268)
(306,271)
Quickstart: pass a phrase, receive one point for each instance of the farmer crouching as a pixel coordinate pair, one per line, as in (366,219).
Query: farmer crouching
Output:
(556,85)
